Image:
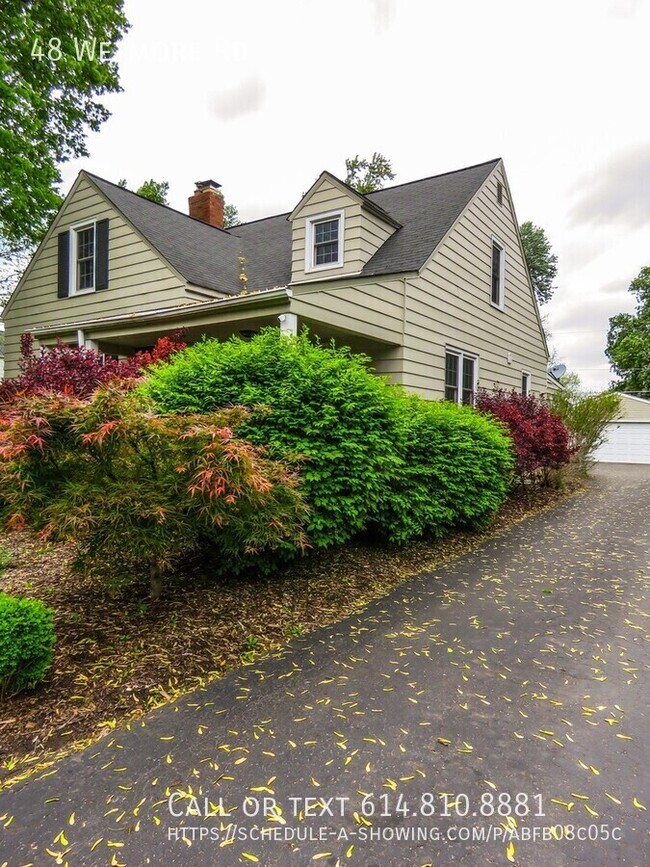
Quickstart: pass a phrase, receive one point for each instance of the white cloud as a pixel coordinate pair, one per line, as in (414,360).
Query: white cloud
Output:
(245,98)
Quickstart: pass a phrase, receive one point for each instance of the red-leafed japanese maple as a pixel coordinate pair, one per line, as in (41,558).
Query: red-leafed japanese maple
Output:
(77,370)
(137,492)
(541,439)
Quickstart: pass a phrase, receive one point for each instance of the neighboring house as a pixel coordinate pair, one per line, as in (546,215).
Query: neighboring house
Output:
(428,278)
(628,438)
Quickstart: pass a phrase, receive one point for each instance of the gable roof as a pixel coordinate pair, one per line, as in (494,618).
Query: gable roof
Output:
(364,200)
(427,209)
(205,256)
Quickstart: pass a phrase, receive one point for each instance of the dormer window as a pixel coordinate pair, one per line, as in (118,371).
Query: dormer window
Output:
(324,241)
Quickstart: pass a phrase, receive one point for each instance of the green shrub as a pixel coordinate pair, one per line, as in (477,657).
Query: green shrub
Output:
(138,492)
(586,416)
(26,642)
(456,466)
(325,405)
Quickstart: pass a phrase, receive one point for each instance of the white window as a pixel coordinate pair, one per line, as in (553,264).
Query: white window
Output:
(525,383)
(461,376)
(498,273)
(324,241)
(82,259)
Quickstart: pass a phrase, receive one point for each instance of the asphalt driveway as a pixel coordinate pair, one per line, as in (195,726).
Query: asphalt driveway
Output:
(493,712)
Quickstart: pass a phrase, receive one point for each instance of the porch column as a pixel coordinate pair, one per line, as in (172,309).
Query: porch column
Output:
(84,342)
(288,323)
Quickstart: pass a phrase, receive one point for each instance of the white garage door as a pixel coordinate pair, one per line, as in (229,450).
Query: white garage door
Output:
(627,442)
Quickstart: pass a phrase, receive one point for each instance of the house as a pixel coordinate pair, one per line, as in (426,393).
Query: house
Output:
(627,440)
(428,278)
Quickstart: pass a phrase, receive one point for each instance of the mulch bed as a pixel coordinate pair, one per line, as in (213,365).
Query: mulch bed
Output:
(117,658)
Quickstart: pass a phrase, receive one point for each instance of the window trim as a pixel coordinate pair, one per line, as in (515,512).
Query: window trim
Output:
(310,222)
(502,272)
(529,380)
(72,276)
(461,354)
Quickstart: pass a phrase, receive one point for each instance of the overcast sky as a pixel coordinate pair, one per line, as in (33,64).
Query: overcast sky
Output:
(261,96)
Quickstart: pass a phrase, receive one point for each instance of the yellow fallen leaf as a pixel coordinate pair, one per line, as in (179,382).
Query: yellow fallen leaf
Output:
(510,852)
(638,804)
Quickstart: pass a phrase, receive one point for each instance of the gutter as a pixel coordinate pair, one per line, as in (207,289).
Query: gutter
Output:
(251,300)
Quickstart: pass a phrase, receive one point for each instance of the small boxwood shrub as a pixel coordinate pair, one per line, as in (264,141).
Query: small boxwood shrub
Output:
(456,465)
(26,642)
(325,405)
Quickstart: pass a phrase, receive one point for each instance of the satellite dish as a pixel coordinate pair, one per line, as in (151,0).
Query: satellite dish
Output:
(557,370)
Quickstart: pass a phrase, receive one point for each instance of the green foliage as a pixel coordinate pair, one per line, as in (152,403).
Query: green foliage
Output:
(628,340)
(230,217)
(139,492)
(541,261)
(49,89)
(26,642)
(455,467)
(586,416)
(325,405)
(5,558)
(155,191)
(366,176)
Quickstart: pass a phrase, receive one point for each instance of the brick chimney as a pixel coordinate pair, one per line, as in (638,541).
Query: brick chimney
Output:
(207,203)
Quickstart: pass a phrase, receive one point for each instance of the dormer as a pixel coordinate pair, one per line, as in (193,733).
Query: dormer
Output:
(335,231)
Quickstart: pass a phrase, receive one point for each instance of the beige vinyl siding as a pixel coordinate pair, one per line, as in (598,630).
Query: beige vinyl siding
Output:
(364,233)
(138,278)
(634,409)
(449,304)
(371,308)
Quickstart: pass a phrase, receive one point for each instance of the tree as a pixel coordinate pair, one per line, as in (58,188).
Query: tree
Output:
(56,59)
(366,176)
(13,261)
(155,191)
(542,263)
(628,340)
(231,217)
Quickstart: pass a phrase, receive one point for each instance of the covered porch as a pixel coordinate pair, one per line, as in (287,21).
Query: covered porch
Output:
(244,316)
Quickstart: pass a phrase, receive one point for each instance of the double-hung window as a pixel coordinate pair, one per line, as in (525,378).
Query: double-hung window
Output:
(324,236)
(525,383)
(498,273)
(461,376)
(83,259)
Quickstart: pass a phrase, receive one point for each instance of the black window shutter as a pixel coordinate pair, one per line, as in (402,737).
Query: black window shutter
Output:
(101,255)
(63,284)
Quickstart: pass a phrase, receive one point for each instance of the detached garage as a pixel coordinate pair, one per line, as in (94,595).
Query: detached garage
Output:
(628,438)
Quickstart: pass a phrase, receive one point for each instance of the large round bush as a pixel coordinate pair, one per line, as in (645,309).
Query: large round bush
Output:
(455,467)
(324,405)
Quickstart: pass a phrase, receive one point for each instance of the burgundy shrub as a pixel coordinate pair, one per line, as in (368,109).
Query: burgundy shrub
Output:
(78,371)
(540,437)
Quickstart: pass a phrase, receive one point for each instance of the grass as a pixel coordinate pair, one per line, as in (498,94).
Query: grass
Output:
(115,659)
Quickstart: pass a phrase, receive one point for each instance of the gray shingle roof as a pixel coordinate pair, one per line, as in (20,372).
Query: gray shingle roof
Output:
(205,256)
(427,209)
